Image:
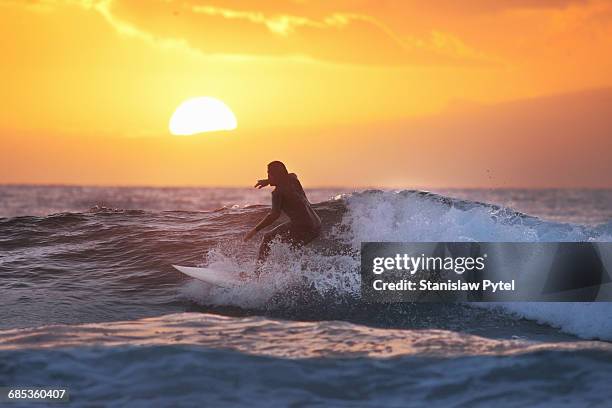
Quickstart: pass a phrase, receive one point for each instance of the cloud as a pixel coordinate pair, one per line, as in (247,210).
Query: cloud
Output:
(207,30)
(279,24)
(343,37)
(459,8)
(103,7)
(437,42)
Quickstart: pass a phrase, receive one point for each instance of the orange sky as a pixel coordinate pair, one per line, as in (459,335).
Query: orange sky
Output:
(347,92)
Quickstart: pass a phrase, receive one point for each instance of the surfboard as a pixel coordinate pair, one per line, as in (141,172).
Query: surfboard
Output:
(213,276)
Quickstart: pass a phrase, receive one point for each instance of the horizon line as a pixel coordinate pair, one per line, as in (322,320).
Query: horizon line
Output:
(315,187)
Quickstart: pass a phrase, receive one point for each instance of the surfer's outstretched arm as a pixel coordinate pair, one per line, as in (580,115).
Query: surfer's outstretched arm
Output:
(262,183)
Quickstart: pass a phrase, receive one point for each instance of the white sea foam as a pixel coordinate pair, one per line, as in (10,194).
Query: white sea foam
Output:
(286,271)
(585,320)
(410,217)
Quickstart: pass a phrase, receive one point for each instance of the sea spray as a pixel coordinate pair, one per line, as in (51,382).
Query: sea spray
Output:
(410,216)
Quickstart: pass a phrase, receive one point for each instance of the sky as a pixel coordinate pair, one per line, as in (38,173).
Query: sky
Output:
(347,92)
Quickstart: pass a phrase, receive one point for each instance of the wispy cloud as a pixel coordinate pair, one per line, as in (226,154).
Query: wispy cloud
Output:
(336,32)
(284,25)
(124,27)
(280,24)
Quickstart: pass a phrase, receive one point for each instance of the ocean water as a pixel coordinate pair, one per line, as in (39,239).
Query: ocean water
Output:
(89,301)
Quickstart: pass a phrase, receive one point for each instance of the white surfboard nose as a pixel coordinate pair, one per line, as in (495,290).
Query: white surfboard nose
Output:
(211,276)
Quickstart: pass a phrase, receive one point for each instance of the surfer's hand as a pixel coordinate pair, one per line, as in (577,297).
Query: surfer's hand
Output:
(249,235)
(262,183)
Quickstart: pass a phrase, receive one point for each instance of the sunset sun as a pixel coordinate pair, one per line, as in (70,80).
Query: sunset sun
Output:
(202,114)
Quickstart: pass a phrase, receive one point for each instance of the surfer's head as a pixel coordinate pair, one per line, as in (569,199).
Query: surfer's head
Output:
(277,172)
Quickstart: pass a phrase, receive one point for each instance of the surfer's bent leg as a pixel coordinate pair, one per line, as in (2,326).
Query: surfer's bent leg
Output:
(264,249)
(288,232)
(301,236)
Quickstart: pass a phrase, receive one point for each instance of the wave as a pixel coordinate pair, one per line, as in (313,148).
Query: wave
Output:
(415,216)
(411,216)
(196,357)
(175,375)
(115,258)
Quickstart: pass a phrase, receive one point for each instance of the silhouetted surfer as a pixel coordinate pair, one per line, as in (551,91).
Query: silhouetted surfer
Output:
(304,224)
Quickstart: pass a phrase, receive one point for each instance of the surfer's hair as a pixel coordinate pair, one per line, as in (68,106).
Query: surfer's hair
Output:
(278,169)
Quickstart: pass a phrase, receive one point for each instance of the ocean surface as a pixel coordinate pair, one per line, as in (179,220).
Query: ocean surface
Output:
(89,301)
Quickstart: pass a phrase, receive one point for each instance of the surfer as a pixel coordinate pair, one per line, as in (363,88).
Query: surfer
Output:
(289,197)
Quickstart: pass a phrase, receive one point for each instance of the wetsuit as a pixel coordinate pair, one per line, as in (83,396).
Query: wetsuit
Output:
(304,224)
